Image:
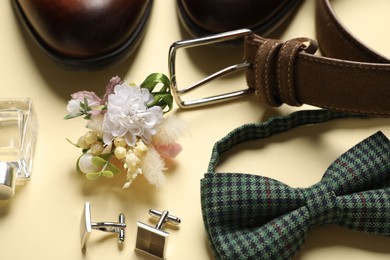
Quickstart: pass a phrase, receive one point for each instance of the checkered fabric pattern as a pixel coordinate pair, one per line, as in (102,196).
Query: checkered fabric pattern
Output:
(253,217)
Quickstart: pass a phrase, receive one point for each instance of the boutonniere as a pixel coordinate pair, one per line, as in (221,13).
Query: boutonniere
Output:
(127,125)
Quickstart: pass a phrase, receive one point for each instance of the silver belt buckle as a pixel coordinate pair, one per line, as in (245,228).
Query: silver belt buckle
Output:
(208,40)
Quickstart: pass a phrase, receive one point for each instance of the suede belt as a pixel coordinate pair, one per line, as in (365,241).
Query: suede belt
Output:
(350,78)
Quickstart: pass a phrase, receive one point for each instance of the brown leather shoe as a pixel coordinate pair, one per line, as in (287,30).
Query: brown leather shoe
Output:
(204,17)
(85,34)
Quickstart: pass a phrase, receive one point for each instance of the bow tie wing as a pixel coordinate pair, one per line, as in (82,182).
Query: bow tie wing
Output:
(366,211)
(363,167)
(360,179)
(246,216)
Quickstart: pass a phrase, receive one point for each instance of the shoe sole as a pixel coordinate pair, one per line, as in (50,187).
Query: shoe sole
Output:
(93,63)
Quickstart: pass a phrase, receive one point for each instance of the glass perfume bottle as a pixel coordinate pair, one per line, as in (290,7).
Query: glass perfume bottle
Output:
(18,134)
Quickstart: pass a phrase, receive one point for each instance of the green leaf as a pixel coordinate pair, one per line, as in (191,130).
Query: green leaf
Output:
(85,105)
(103,162)
(165,101)
(98,161)
(162,96)
(69,116)
(106,156)
(155,78)
(93,175)
(112,168)
(107,174)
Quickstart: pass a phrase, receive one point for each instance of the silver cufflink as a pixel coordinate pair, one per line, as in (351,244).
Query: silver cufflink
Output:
(153,240)
(87,225)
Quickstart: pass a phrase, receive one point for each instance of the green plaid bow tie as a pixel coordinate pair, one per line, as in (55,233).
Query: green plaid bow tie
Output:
(254,217)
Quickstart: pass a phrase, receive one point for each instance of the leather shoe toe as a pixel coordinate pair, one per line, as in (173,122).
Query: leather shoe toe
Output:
(204,17)
(85,34)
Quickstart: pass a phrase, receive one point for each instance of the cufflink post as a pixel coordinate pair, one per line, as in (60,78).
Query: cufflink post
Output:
(164,217)
(87,225)
(153,240)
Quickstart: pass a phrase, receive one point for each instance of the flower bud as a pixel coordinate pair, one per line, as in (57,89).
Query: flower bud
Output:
(119,142)
(120,153)
(96,148)
(90,137)
(140,149)
(81,143)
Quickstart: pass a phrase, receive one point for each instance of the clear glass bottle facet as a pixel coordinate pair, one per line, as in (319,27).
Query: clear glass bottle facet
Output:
(18,134)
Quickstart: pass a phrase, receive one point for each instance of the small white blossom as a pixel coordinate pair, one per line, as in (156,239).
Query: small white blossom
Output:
(132,160)
(73,107)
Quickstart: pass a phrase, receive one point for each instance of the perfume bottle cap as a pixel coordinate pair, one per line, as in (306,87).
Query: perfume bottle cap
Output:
(8,175)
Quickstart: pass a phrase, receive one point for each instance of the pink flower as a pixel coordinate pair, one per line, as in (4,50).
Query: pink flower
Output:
(110,88)
(92,98)
(168,151)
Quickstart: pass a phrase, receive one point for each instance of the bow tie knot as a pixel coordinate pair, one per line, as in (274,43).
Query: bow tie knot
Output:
(321,204)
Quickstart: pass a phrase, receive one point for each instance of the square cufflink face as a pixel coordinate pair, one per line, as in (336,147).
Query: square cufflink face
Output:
(151,240)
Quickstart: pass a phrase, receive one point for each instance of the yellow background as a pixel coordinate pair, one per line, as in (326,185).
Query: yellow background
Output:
(42,220)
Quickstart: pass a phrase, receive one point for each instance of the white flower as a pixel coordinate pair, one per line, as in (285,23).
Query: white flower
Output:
(128,116)
(73,107)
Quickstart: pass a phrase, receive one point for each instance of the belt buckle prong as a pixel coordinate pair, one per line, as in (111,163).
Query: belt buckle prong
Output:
(208,40)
